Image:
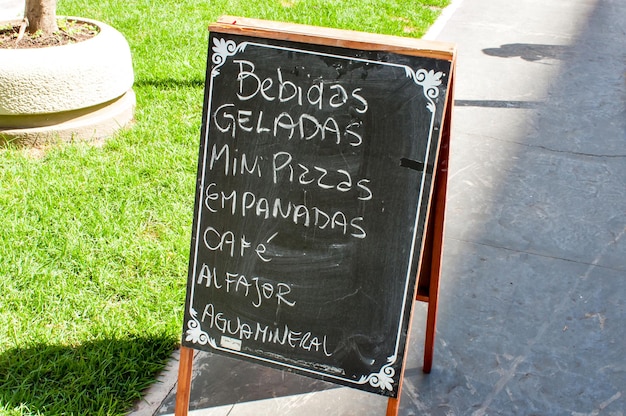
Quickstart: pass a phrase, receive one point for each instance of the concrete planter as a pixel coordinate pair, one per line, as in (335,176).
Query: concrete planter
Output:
(81,91)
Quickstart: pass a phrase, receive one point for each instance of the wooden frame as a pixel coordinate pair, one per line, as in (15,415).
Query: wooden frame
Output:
(427,287)
(334,37)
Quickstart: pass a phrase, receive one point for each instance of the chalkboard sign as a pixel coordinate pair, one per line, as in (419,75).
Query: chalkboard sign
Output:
(314,178)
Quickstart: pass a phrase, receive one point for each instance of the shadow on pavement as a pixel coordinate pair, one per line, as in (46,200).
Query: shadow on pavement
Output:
(229,381)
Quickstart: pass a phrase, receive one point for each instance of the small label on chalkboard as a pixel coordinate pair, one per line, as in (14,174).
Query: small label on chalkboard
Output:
(230,343)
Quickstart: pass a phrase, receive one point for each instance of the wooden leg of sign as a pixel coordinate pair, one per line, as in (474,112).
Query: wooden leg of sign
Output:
(183,389)
(429,343)
(430,270)
(435,272)
(435,234)
(393,405)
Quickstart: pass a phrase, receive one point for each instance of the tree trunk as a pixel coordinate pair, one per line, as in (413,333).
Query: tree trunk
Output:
(41,15)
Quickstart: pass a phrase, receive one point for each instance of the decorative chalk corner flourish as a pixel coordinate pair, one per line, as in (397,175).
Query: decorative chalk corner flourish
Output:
(429,81)
(384,378)
(222,49)
(195,333)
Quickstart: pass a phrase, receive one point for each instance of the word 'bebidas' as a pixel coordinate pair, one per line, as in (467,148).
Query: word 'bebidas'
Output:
(287,91)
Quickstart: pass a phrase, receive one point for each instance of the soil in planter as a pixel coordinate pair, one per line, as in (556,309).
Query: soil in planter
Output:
(70,31)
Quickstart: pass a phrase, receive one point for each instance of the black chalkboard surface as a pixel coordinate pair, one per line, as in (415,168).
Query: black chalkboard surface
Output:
(314,178)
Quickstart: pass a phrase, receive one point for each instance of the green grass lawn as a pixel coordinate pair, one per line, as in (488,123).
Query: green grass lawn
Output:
(95,240)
